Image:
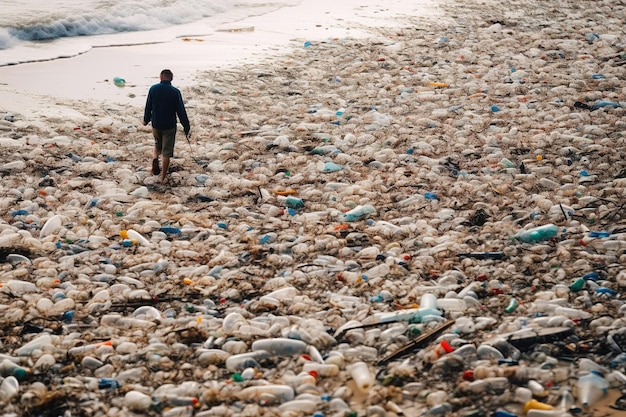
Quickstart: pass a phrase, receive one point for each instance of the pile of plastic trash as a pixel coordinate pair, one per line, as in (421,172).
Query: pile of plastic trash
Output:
(429,222)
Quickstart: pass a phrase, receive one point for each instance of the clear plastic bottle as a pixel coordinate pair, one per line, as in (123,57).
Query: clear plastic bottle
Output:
(280,346)
(591,387)
(239,362)
(36,344)
(281,392)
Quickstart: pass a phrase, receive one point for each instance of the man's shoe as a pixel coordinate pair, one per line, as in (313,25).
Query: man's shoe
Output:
(156,169)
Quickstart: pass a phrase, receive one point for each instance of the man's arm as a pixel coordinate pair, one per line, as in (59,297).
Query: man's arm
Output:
(147,113)
(182,115)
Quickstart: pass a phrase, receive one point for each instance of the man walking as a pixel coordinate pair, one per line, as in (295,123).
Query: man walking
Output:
(163,104)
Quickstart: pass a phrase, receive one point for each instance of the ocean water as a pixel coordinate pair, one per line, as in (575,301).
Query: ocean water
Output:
(41,30)
(131,39)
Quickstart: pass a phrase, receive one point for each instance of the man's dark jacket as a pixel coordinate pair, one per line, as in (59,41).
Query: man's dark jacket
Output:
(164,102)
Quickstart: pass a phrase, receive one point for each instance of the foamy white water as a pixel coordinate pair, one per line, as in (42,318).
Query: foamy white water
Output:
(34,30)
(247,31)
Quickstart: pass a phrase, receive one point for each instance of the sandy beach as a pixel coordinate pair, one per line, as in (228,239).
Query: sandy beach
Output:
(335,175)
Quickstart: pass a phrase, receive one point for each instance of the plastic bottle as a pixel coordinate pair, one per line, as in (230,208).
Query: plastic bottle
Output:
(119,81)
(18,287)
(512,306)
(9,389)
(9,368)
(84,349)
(566,398)
(535,412)
(357,213)
(331,167)
(536,405)
(135,236)
(577,285)
(322,369)
(483,255)
(409,314)
(280,346)
(361,375)
(137,401)
(537,234)
(170,230)
(108,384)
(591,387)
(428,307)
(174,400)
(382,297)
(35,344)
(239,362)
(604,103)
(294,202)
(281,392)
(52,225)
(306,406)
(377,271)
(496,383)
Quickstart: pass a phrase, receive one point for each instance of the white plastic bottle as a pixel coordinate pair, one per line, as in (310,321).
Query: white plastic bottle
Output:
(361,375)
(137,401)
(9,389)
(280,346)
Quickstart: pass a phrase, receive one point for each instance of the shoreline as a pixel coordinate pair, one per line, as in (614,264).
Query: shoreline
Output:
(89,75)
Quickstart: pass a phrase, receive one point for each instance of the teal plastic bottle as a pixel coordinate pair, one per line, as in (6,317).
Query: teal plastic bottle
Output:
(537,234)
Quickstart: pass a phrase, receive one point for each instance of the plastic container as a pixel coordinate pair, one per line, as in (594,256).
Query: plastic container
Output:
(537,234)
(536,405)
(294,202)
(428,307)
(590,388)
(119,81)
(282,393)
(9,368)
(52,226)
(357,213)
(9,388)
(237,363)
(36,344)
(280,346)
(361,375)
(138,401)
